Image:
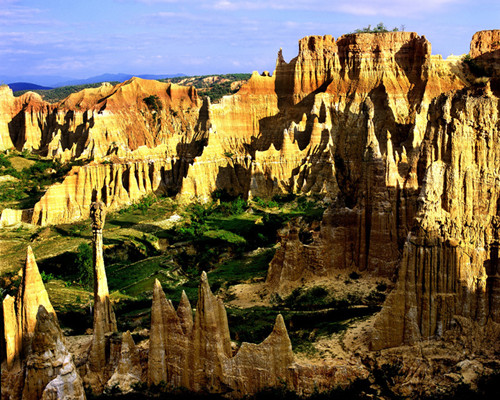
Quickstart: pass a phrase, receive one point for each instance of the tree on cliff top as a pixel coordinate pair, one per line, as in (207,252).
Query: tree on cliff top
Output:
(380,28)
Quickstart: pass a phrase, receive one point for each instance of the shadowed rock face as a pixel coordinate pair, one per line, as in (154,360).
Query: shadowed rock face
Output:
(20,314)
(485,51)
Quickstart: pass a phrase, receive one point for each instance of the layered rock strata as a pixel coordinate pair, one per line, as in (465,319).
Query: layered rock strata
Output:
(375,102)
(301,130)
(95,122)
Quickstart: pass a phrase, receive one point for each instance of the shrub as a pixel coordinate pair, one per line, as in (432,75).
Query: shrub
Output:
(153,103)
(380,28)
(46,277)
(474,67)
(84,266)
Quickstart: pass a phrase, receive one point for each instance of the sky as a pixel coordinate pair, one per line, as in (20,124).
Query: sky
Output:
(79,39)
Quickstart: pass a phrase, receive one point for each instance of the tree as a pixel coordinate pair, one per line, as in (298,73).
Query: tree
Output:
(84,266)
(380,28)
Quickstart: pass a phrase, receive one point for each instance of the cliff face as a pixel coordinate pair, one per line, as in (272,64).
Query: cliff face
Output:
(96,122)
(374,105)
(450,260)
(421,203)
(302,130)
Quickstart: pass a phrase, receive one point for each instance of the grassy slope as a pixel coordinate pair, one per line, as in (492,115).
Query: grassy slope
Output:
(233,241)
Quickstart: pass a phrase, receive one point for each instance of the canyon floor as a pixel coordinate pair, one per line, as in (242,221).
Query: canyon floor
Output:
(233,241)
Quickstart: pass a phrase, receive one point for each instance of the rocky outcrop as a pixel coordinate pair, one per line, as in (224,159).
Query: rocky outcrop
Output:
(128,371)
(19,119)
(449,266)
(50,371)
(301,130)
(38,364)
(373,107)
(21,313)
(198,355)
(96,122)
(485,51)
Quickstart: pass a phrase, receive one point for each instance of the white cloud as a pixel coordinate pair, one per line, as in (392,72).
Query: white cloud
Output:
(392,8)
(19,15)
(157,1)
(19,51)
(176,15)
(355,7)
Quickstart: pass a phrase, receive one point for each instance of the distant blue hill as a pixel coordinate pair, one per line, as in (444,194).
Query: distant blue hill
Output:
(58,81)
(114,78)
(26,86)
(42,80)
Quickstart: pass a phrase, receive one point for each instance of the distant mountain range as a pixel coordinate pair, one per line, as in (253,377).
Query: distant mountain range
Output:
(27,86)
(114,78)
(50,81)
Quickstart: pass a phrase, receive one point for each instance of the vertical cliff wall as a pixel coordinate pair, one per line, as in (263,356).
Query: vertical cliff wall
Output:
(449,266)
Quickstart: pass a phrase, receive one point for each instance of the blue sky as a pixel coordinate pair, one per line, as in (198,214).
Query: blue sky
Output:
(85,38)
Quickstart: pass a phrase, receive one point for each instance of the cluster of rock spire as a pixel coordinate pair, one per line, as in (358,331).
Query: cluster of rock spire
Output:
(194,353)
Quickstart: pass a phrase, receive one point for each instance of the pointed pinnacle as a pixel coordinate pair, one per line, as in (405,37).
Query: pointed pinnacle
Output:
(279,325)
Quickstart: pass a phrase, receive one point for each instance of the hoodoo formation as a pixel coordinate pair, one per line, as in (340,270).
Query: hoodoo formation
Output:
(402,146)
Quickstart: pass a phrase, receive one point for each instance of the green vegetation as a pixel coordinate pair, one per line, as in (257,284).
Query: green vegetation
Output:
(380,28)
(153,103)
(230,238)
(214,86)
(30,183)
(84,265)
(475,69)
(58,94)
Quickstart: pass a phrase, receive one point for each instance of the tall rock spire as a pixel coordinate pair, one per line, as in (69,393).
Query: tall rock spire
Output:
(20,314)
(98,215)
(104,317)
